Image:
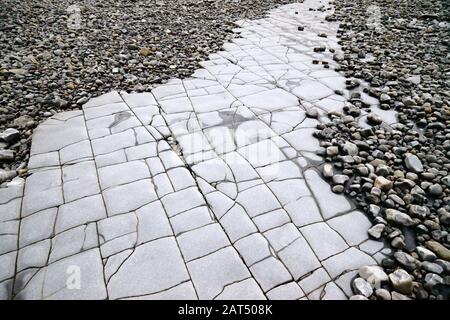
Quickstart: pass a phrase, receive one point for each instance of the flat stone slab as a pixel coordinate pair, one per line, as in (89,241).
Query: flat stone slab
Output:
(204,188)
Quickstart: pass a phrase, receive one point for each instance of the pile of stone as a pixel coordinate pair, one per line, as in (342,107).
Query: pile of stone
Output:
(10,144)
(56,55)
(398,186)
(398,174)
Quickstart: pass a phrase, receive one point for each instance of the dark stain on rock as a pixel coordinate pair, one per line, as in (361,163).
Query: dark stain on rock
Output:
(119,117)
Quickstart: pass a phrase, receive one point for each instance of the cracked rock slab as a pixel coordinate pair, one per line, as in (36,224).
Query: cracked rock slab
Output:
(152,267)
(203,188)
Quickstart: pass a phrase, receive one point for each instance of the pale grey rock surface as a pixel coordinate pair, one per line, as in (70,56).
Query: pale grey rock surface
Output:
(204,188)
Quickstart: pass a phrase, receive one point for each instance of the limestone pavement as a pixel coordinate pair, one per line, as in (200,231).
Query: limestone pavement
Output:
(204,188)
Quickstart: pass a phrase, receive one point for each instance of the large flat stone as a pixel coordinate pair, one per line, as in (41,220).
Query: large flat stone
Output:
(182,201)
(74,241)
(123,173)
(289,291)
(129,197)
(42,191)
(153,222)
(270,273)
(247,289)
(80,212)
(208,281)
(78,277)
(154,266)
(7,265)
(352,227)
(323,240)
(202,241)
(350,259)
(36,227)
(51,136)
(80,180)
(257,200)
(298,258)
(324,196)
